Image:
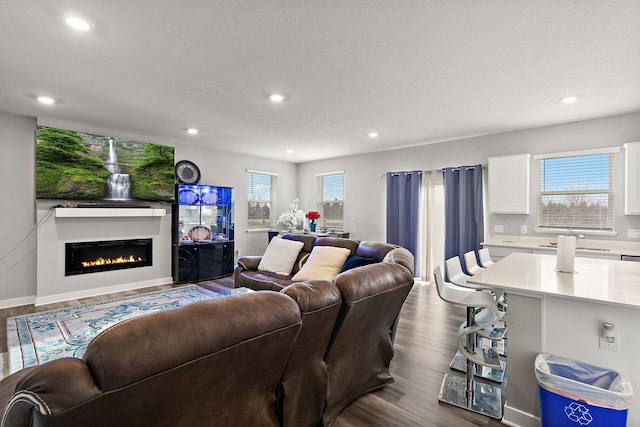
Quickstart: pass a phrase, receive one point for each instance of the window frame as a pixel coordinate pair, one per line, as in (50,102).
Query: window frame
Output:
(333,224)
(610,192)
(271,202)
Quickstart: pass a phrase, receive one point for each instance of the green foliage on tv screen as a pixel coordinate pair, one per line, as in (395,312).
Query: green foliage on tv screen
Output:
(65,169)
(153,175)
(76,166)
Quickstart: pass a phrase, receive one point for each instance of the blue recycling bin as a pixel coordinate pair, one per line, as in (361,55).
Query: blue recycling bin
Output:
(577,394)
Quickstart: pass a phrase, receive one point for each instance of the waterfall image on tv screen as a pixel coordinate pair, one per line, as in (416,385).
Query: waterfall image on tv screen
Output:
(81,166)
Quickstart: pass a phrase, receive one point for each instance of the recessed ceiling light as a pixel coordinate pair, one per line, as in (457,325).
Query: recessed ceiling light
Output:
(47,100)
(193,131)
(573,117)
(289,151)
(276,97)
(569,99)
(373,134)
(78,23)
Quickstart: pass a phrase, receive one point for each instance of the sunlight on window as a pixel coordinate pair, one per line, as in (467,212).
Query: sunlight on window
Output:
(331,200)
(260,198)
(576,192)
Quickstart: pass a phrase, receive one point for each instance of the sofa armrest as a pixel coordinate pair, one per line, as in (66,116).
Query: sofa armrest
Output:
(46,389)
(249,263)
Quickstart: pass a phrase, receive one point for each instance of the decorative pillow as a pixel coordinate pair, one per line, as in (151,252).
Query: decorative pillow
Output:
(324,262)
(357,261)
(280,256)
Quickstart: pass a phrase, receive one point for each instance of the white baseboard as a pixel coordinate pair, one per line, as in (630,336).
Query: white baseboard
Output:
(49,299)
(516,418)
(15,302)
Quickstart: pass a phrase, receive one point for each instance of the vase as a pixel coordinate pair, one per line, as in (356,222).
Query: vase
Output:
(312,226)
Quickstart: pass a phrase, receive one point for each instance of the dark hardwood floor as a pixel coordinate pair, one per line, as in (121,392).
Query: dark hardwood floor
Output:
(424,346)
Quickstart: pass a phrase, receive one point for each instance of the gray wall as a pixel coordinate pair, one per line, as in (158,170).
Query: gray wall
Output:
(365,183)
(17,208)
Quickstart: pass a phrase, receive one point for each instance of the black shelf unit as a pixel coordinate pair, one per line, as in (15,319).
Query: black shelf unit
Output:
(203,233)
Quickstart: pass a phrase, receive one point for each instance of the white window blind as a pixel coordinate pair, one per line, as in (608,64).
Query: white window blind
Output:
(331,199)
(576,191)
(260,187)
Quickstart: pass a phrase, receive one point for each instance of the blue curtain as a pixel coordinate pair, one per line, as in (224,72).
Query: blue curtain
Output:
(403,212)
(464,224)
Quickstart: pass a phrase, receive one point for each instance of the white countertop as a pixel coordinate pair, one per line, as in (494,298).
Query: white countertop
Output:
(605,247)
(599,280)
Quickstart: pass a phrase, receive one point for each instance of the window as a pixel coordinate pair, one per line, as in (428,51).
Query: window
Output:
(575,190)
(260,197)
(331,199)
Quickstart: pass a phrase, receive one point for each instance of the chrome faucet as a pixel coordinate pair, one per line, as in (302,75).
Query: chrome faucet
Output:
(577,236)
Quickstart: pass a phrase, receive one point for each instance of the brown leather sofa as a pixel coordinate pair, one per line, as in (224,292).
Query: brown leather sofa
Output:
(247,274)
(345,347)
(291,358)
(213,363)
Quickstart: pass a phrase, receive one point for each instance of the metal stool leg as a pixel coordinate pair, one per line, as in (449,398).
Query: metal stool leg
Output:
(467,393)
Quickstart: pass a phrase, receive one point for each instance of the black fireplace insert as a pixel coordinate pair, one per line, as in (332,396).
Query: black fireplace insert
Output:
(92,257)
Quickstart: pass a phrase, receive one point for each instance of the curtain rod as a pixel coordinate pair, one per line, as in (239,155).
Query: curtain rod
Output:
(455,169)
(404,172)
(432,171)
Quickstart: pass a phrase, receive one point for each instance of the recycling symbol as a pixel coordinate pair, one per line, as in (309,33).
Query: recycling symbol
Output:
(578,413)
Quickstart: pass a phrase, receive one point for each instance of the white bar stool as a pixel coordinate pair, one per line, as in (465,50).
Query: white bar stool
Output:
(494,334)
(471,262)
(466,392)
(485,258)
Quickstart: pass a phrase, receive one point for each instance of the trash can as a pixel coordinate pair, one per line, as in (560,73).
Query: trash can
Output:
(576,394)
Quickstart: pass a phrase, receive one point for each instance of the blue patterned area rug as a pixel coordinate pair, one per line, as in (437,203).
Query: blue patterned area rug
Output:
(37,338)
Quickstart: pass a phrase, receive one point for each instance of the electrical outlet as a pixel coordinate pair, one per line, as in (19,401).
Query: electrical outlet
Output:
(523,229)
(610,339)
(498,229)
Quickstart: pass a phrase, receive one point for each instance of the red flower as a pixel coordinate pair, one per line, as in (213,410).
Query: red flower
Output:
(313,215)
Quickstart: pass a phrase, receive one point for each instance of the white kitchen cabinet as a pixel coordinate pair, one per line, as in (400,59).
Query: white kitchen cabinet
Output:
(632,178)
(509,178)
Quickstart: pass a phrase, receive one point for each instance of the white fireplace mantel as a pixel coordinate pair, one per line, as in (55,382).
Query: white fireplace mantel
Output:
(108,212)
(98,224)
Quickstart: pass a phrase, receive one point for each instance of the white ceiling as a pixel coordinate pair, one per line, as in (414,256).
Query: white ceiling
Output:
(417,71)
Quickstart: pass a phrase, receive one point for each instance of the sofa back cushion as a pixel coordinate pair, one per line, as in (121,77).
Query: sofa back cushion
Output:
(307,239)
(280,256)
(361,348)
(145,346)
(338,242)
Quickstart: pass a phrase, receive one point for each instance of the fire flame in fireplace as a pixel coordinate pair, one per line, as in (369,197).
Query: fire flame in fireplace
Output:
(109,261)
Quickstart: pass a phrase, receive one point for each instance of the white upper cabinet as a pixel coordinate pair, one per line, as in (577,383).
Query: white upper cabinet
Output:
(509,184)
(632,178)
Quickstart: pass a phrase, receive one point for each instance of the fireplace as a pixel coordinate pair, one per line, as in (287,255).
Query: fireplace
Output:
(92,257)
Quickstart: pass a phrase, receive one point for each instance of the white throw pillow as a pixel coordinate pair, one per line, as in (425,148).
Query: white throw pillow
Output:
(324,263)
(280,256)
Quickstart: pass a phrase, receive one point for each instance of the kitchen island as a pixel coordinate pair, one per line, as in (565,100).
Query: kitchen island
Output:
(562,314)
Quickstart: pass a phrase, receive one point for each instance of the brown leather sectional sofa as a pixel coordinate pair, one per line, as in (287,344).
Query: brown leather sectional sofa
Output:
(292,358)
(345,347)
(211,363)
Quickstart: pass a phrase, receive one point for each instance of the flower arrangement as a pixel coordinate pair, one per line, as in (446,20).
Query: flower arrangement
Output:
(294,217)
(312,215)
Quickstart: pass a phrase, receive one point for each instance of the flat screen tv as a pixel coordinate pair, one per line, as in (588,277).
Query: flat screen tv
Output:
(81,166)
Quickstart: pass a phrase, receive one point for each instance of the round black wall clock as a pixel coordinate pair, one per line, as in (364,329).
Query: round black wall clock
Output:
(187,172)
